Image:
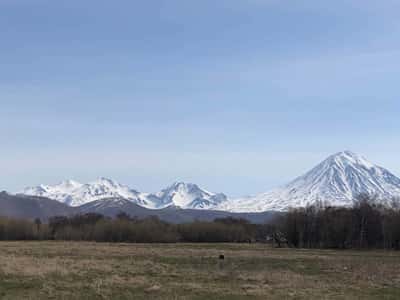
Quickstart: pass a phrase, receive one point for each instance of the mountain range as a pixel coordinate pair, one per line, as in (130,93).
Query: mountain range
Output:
(180,194)
(338,180)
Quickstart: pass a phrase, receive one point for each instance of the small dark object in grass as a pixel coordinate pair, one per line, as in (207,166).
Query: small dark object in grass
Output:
(222,257)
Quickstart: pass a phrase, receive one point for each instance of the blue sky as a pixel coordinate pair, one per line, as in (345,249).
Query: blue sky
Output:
(237,96)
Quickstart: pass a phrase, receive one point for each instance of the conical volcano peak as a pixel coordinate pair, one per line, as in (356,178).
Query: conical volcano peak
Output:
(347,155)
(337,180)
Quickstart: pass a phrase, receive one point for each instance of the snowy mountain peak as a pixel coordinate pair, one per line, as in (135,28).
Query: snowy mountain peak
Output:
(180,185)
(348,154)
(106,181)
(337,180)
(74,193)
(189,195)
(345,158)
(183,187)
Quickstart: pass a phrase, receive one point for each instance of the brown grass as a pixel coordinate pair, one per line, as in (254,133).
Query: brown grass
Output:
(61,270)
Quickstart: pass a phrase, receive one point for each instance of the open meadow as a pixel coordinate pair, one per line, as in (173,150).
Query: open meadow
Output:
(82,270)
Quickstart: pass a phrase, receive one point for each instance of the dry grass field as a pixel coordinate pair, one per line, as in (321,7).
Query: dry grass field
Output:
(61,270)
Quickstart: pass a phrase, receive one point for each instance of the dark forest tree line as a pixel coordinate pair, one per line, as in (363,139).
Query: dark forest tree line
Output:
(366,224)
(123,228)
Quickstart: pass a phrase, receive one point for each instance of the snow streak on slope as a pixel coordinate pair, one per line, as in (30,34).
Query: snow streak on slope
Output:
(184,195)
(337,180)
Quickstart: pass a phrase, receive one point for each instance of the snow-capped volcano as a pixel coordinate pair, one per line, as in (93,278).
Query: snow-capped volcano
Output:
(184,195)
(338,180)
